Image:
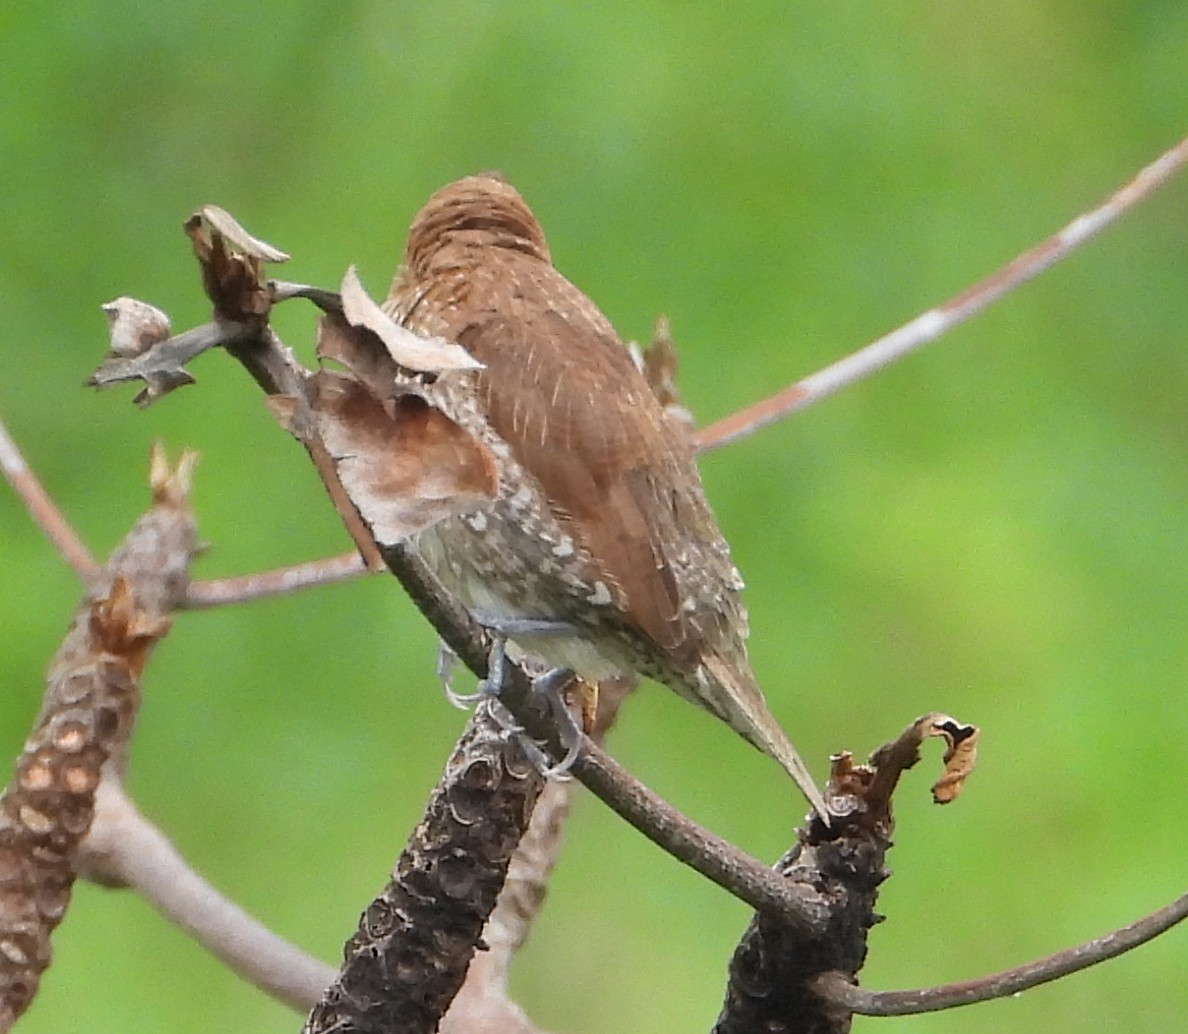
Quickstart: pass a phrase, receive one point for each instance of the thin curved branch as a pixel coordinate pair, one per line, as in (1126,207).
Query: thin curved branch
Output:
(839,991)
(42,509)
(219,592)
(932,324)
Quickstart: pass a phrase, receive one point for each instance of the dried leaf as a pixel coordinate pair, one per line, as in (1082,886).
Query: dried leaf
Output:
(231,273)
(874,783)
(361,352)
(961,754)
(222,221)
(404,464)
(412,351)
(134,326)
(171,485)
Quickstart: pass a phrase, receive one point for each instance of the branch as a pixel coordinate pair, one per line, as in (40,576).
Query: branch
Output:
(410,954)
(838,990)
(932,324)
(42,509)
(483,1003)
(222,591)
(774,970)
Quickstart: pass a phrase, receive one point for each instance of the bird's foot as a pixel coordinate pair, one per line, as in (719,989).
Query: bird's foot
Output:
(493,684)
(552,686)
(512,729)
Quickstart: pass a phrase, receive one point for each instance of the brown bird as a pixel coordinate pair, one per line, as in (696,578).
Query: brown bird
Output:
(600,522)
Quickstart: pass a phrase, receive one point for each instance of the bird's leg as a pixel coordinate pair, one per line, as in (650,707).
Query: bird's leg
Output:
(511,627)
(504,628)
(551,685)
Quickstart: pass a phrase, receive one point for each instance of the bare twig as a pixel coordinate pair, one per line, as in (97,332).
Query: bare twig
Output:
(124,849)
(42,509)
(838,990)
(162,366)
(222,591)
(932,324)
(745,877)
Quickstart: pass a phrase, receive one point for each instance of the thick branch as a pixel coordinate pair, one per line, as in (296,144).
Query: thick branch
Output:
(774,970)
(409,956)
(90,702)
(483,1004)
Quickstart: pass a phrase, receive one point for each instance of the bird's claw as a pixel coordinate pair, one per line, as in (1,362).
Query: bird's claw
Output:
(447,661)
(552,685)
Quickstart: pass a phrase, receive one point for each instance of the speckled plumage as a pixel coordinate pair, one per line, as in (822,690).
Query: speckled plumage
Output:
(600,520)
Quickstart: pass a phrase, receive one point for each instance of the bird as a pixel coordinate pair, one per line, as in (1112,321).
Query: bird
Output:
(599,550)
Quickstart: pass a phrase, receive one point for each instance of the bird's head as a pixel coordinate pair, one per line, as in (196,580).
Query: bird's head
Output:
(482,210)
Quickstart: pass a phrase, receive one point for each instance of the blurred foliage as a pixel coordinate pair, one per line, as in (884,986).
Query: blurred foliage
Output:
(994,527)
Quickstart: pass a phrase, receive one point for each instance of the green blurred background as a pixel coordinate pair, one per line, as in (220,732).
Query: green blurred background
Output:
(994,527)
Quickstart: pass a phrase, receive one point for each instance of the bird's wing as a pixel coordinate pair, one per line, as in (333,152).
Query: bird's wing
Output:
(562,390)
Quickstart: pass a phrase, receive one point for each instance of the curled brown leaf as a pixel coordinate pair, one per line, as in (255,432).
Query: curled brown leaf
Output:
(961,754)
